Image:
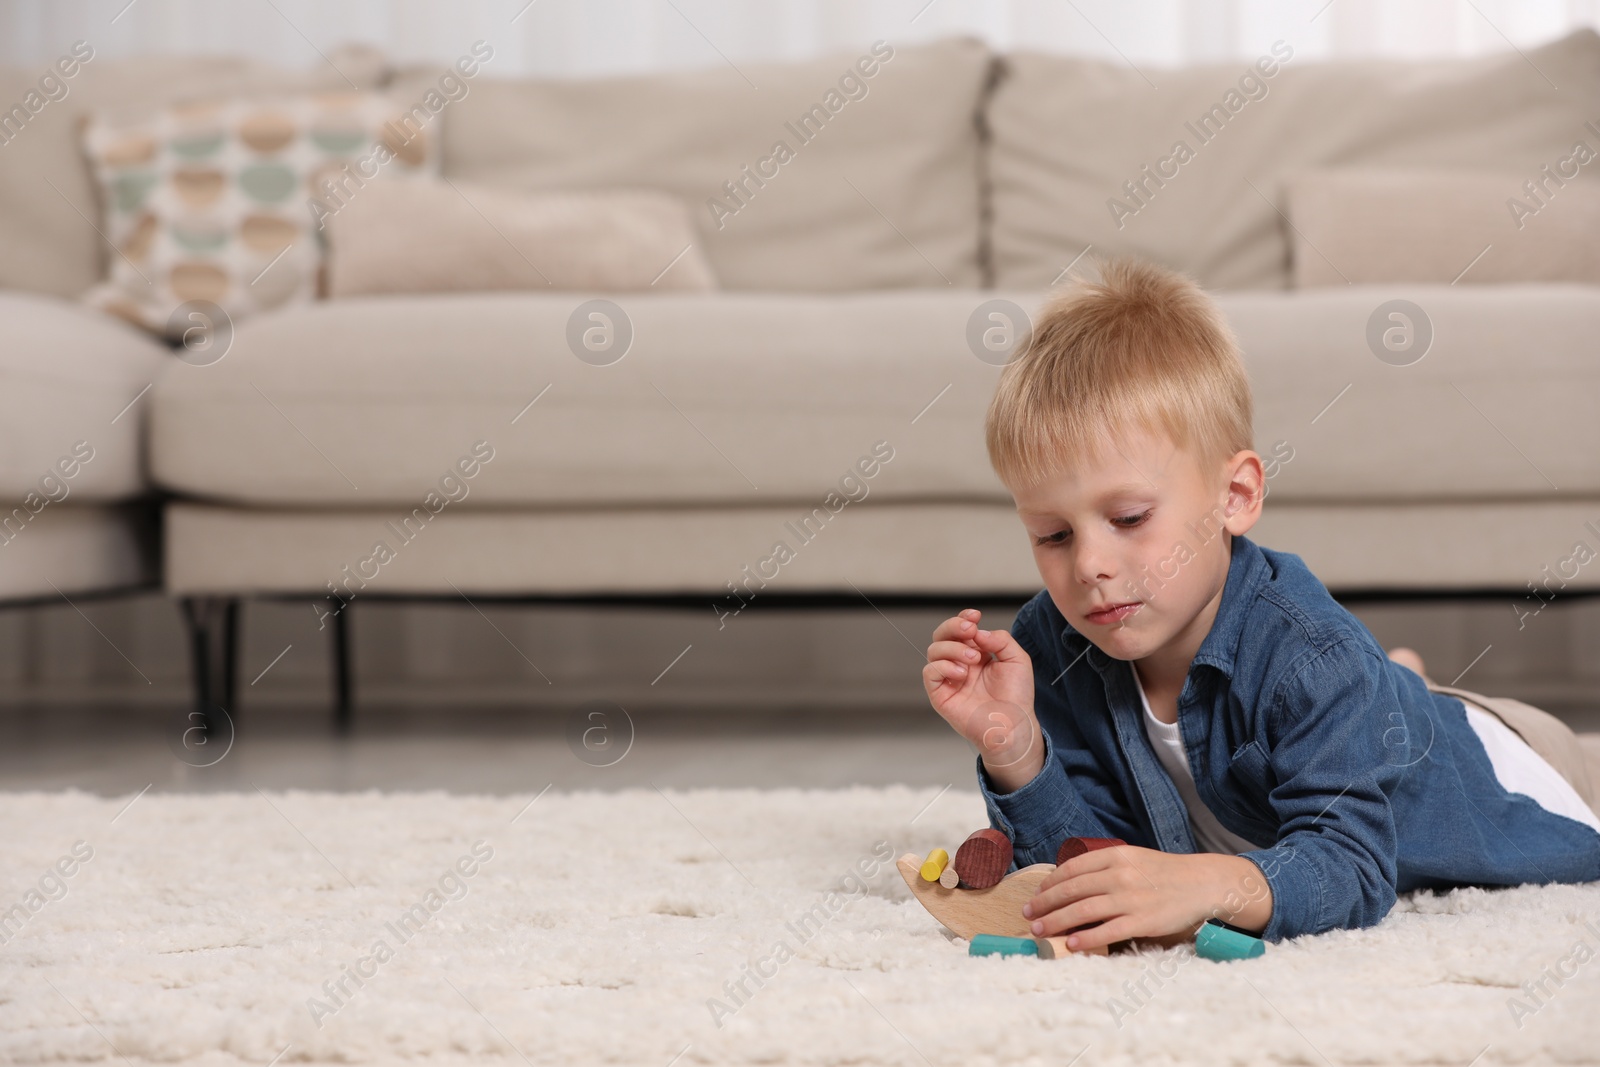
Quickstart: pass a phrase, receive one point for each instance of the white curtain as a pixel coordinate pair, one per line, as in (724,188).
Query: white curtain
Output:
(589,37)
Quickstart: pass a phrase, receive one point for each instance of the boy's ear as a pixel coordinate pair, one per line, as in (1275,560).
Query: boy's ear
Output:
(1247,484)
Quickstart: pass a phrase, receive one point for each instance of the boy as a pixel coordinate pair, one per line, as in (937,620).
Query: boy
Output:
(1205,699)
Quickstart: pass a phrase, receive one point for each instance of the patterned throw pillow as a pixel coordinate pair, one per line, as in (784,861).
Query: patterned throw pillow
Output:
(220,201)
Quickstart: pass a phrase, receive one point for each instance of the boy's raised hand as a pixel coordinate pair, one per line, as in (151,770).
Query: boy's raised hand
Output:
(981,683)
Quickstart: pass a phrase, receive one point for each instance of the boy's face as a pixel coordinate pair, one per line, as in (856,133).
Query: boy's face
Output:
(1133,544)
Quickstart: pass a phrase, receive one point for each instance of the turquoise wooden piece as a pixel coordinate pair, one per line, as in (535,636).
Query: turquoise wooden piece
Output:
(995,945)
(1217,940)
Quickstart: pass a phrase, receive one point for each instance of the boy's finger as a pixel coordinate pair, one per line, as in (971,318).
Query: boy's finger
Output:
(955,651)
(940,672)
(1002,644)
(956,626)
(1102,934)
(1053,879)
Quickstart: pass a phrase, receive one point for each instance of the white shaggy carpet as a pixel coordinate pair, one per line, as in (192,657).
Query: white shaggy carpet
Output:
(203,927)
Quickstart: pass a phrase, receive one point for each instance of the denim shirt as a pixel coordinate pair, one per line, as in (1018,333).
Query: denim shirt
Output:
(1300,731)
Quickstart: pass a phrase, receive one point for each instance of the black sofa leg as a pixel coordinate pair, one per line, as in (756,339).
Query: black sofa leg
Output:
(341,671)
(213,625)
(230,656)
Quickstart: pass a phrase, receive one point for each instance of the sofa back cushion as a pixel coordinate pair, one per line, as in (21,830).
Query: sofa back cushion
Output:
(48,242)
(451,237)
(1360,225)
(212,200)
(854,171)
(1204,148)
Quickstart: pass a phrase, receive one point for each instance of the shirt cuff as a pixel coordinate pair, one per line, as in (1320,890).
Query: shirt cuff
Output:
(1035,816)
(1296,891)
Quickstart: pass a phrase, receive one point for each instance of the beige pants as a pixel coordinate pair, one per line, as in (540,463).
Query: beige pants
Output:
(1545,734)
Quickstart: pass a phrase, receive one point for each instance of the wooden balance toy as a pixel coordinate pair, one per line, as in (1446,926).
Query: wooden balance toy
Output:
(985,901)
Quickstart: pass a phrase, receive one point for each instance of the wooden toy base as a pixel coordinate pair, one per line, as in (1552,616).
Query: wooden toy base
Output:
(998,909)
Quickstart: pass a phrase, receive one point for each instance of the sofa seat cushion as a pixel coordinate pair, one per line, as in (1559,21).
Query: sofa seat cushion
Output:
(739,399)
(727,555)
(721,399)
(1502,403)
(75,548)
(69,374)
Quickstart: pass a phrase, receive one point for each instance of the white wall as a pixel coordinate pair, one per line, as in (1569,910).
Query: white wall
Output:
(578,37)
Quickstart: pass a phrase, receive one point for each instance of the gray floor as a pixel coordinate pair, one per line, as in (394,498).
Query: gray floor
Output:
(447,699)
(115,752)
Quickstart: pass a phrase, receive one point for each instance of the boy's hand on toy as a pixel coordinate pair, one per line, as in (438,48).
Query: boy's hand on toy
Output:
(981,682)
(1141,892)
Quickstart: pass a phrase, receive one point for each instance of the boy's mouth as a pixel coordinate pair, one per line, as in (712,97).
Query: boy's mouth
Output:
(1113,613)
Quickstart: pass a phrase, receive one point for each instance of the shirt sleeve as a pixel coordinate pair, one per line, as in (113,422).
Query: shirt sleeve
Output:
(1070,796)
(1334,864)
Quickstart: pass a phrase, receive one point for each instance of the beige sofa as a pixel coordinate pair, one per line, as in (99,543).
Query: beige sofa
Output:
(852,278)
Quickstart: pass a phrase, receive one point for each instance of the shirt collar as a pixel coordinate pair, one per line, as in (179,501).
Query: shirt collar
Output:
(1246,569)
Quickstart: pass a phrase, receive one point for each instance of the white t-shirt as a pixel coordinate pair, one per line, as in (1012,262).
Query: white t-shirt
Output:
(1209,834)
(1516,766)
(1522,770)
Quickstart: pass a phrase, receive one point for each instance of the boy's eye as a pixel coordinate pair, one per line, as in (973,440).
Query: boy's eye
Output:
(1125,522)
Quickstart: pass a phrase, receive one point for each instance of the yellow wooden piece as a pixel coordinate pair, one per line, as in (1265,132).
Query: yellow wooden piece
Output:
(934,865)
(996,910)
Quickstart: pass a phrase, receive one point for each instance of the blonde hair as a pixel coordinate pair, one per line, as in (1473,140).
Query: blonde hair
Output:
(1143,345)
